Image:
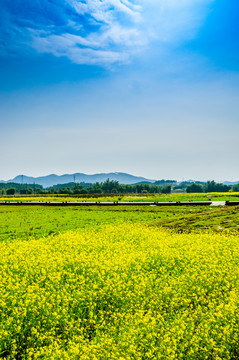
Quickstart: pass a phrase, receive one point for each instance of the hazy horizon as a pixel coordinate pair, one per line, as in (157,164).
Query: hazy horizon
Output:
(117,172)
(149,88)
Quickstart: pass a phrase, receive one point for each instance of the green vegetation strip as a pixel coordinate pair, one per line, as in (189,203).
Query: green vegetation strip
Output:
(125,198)
(35,221)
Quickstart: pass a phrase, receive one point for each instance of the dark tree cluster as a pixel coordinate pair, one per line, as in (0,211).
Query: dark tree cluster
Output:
(209,186)
(21,189)
(110,187)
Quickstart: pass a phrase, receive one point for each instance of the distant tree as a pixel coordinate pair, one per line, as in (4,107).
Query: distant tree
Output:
(154,189)
(11,191)
(77,189)
(114,191)
(95,188)
(128,188)
(109,185)
(235,187)
(52,190)
(194,188)
(84,191)
(212,186)
(65,190)
(27,191)
(166,189)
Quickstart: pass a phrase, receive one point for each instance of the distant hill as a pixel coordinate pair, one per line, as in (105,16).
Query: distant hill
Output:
(231,182)
(122,178)
(50,180)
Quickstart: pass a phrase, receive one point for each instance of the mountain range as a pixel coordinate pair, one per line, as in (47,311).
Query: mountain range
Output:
(50,180)
(53,179)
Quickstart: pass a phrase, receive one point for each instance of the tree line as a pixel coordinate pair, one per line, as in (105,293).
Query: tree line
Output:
(114,187)
(210,186)
(107,187)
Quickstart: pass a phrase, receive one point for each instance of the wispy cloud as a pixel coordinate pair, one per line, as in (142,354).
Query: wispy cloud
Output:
(99,32)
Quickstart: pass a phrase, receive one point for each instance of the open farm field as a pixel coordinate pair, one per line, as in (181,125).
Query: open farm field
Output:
(27,222)
(119,283)
(231,196)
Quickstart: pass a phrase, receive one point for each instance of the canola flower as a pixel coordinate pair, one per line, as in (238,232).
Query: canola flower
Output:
(133,197)
(120,292)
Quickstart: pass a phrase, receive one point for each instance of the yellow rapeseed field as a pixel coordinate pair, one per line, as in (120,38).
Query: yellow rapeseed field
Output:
(120,292)
(139,197)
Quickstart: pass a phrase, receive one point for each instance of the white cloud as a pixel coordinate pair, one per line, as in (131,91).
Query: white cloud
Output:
(106,10)
(119,29)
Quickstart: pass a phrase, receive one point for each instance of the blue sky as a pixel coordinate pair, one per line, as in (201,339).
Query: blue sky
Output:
(141,86)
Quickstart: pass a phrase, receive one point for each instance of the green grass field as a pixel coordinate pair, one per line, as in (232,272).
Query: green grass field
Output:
(27,222)
(119,283)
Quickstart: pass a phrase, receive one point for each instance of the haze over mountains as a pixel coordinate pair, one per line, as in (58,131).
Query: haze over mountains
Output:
(50,180)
